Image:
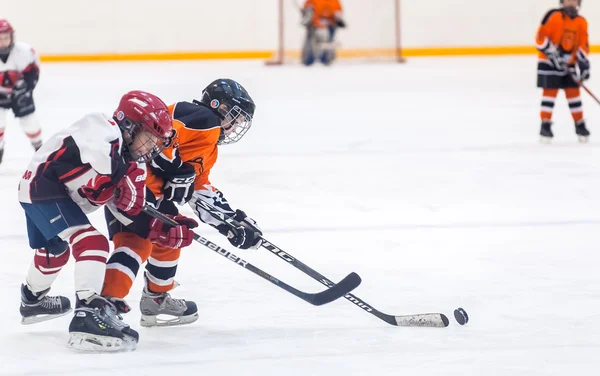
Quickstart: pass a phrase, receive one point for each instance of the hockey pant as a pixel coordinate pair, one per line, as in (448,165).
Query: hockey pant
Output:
(132,250)
(551,81)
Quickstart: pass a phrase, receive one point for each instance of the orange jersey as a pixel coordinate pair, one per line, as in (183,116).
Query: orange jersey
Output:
(324,11)
(197,131)
(568,34)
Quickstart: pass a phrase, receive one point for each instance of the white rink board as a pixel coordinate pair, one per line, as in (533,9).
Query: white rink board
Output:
(139,26)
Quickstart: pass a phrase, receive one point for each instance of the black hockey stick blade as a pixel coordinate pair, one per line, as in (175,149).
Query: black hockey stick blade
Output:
(349,283)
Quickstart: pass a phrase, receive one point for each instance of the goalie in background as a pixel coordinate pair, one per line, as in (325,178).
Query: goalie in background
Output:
(321,19)
(562,42)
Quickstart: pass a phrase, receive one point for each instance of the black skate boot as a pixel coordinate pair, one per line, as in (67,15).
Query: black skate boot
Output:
(546,133)
(582,132)
(1,154)
(40,307)
(96,327)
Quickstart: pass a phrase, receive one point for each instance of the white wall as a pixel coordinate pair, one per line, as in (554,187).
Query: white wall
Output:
(111,26)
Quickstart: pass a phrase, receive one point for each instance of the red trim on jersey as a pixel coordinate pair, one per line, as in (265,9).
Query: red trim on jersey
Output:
(57,155)
(74,173)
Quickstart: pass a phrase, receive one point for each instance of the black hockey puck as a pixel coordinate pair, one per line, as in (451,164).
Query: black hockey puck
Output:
(461,316)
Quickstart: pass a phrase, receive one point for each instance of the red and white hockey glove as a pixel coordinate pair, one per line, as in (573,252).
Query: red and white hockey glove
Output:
(132,190)
(98,190)
(172,236)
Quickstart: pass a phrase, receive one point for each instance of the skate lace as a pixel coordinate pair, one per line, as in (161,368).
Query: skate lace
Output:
(172,303)
(106,315)
(51,302)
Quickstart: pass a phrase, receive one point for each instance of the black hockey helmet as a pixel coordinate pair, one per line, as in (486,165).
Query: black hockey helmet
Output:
(232,103)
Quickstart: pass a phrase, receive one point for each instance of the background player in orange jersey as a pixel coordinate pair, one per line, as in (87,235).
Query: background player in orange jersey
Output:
(321,19)
(180,174)
(562,40)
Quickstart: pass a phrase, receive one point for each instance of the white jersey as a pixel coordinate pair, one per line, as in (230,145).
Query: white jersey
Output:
(22,59)
(70,158)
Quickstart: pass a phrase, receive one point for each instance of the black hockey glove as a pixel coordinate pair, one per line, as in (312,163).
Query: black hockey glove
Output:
(584,66)
(21,90)
(179,188)
(339,22)
(247,235)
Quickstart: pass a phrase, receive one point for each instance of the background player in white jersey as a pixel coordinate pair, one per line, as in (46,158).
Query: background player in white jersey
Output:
(75,172)
(19,73)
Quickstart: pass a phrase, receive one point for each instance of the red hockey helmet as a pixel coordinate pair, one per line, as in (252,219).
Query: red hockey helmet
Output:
(146,125)
(6,28)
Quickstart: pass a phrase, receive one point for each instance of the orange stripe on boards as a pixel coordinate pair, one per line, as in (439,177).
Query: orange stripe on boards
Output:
(200,55)
(295,54)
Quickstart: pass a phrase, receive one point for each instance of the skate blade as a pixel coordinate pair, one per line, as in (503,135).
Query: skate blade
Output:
(41,318)
(150,321)
(90,343)
(583,139)
(545,140)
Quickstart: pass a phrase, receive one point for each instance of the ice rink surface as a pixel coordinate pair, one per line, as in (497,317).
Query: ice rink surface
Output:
(428,179)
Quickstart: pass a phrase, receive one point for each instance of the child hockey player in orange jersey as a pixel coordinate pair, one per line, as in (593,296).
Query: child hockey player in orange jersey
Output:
(178,175)
(321,19)
(562,40)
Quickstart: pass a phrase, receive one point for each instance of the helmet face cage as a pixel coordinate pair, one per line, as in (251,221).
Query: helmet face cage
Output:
(236,122)
(142,145)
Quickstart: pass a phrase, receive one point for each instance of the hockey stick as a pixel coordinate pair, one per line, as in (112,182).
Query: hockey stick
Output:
(436,320)
(579,82)
(349,283)
(589,92)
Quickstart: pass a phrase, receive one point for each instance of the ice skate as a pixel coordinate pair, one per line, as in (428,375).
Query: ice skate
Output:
(96,327)
(582,133)
(546,134)
(160,309)
(41,307)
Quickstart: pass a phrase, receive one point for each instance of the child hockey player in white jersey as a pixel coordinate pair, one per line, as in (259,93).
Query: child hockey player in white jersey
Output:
(98,160)
(19,73)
